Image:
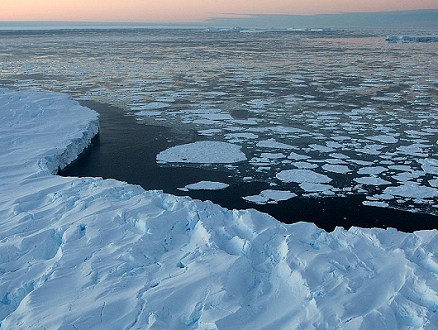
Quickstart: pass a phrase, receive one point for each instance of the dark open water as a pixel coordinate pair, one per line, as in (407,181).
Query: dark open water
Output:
(126,150)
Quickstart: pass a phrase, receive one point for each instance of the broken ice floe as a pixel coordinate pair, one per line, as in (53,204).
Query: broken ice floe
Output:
(270,196)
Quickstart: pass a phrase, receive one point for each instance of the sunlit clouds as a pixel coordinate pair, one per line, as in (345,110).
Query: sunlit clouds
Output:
(186,10)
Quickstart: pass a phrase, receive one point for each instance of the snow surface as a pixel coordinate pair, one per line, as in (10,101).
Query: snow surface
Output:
(88,253)
(202,152)
(270,196)
(206,185)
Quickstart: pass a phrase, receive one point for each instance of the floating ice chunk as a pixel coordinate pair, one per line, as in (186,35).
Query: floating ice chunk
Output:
(295,156)
(341,169)
(371,149)
(372,181)
(210,132)
(151,106)
(272,143)
(300,176)
(339,155)
(383,138)
(413,149)
(249,122)
(406,176)
(259,103)
(165,99)
(238,136)
(321,148)
(434,182)
(404,168)
(304,165)
(203,152)
(429,165)
(217,116)
(315,187)
(361,162)
(375,203)
(270,196)
(207,185)
(412,190)
(372,170)
(272,155)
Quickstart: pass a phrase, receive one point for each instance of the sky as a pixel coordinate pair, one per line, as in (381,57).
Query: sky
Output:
(179,11)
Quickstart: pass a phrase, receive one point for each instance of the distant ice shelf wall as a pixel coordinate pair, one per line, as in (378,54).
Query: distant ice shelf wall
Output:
(88,253)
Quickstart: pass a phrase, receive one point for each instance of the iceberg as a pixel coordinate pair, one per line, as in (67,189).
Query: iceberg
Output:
(88,253)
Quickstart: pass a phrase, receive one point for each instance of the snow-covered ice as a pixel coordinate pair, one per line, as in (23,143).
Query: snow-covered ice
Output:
(302,175)
(270,196)
(206,185)
(89,253)
(203,152)
(371,180)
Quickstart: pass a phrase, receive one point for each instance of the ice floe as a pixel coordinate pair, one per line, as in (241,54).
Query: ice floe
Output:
(270,196)
(203,152)
(302,175)
(412,190)
(206,185)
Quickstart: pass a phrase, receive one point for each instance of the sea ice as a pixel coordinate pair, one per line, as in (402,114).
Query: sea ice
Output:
(273,144)
(315,187)
(88,253)
(151,106)
(302,175)
(341,169)
(295,156)
(203,152)
(372,170)
(371,180)
(412,190)
(375,204)
(207,185)
(270,196)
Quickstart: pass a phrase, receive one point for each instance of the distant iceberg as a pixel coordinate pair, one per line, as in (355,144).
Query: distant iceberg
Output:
(88,253)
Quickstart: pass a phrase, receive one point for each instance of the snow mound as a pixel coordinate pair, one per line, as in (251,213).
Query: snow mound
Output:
(203,152)
(88,253)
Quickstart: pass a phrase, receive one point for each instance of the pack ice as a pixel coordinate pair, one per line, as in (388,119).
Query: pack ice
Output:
(88,253)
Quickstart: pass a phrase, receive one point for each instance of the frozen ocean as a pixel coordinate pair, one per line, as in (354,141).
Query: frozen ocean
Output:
(303,125)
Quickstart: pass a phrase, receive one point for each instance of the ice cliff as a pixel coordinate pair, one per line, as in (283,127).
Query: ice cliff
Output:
(88,253)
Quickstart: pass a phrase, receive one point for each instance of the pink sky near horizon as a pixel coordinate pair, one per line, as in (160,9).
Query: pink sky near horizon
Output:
(168,11)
